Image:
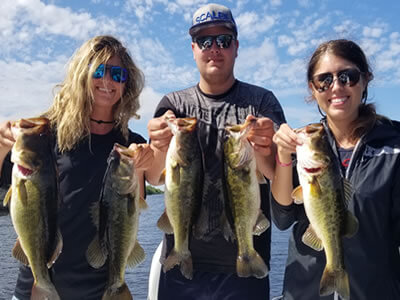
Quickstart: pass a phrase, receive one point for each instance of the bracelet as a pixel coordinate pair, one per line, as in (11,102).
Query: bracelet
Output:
(281,163)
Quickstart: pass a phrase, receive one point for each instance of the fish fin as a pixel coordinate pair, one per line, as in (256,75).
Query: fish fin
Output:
(121,293)
(332,281)
(19,253)
(164,224)
(143,204)
(351,225)
(7,198)
(96,254)
(251,264)
(348,191)
(315,187)
(57,249)
(311,239)
(260,177)
(262,224)
(200,228)
(48,292)
(176,174)
(297,195)
(161,180)
(183,259)
(136,256)
(227,230)
(22,193)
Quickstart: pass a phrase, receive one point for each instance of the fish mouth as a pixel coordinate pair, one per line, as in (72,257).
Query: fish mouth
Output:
(242,128)
(30,126)
(181,124)
(26,172)
(313,170)
(310,128)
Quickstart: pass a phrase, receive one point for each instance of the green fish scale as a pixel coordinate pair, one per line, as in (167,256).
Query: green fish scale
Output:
(181,196)
(326,214)
(120,201)
(242,193)
(31,227)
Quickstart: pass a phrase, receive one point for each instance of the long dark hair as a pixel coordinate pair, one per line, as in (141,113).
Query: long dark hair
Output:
(350,51)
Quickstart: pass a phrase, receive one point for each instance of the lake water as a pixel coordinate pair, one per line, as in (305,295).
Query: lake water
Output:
(149,237)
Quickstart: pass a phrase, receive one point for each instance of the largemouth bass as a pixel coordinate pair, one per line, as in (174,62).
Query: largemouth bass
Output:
(33,201)
(325,195)
(242,179)
(116,217)
(183,179)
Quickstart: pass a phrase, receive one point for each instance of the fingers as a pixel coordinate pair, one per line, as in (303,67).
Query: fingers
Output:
(286,139)
(6,136)
(159,133)
(261,135)
(144,158)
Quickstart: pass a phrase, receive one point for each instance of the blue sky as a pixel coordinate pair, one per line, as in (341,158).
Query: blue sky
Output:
(276,39)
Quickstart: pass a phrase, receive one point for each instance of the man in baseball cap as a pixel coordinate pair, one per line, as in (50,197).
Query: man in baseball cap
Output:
(209,264)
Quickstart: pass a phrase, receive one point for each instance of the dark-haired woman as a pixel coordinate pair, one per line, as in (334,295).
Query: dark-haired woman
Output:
(367,147)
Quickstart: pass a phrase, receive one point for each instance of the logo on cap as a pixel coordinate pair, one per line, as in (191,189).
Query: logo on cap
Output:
(212,16)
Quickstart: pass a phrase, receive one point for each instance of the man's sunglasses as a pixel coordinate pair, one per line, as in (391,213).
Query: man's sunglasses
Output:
(117,73)
(347,77)
(223,41)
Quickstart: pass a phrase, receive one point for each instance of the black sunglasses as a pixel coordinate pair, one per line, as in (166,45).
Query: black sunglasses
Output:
(347,77)
(223,41)
(118,74)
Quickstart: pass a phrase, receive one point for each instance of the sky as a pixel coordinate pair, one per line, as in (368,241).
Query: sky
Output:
(276,40)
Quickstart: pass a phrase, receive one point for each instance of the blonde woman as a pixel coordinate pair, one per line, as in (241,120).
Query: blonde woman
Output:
(89,114)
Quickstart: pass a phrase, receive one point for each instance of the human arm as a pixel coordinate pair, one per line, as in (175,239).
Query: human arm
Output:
(160,135)
(285,140)
(284,211)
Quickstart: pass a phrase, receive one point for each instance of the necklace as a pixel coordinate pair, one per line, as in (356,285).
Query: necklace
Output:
(102,122)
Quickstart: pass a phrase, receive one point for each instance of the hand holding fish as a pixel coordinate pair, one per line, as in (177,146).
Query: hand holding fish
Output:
(260,137)
(159,132)
(286,140)
(144,158)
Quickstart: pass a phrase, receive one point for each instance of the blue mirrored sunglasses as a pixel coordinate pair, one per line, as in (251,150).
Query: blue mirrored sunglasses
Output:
(117,73)
(223,41)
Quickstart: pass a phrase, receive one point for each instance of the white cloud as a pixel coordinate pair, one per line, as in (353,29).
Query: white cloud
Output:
(250,24)
(372,32)
(304,3)
(149,100)
(159,66)
(35,95)
(276,3)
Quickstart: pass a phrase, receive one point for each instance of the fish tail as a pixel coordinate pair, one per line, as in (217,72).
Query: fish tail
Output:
(121,293)
(332,281)
(251,264)
(182,259)
(41,293)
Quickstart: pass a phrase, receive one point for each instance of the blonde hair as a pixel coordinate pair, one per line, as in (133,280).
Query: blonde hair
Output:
(72,106)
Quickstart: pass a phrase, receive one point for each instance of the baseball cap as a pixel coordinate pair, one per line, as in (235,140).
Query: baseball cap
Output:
(212,15)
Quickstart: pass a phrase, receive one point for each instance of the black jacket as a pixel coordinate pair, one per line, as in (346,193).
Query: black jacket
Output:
(372,257)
